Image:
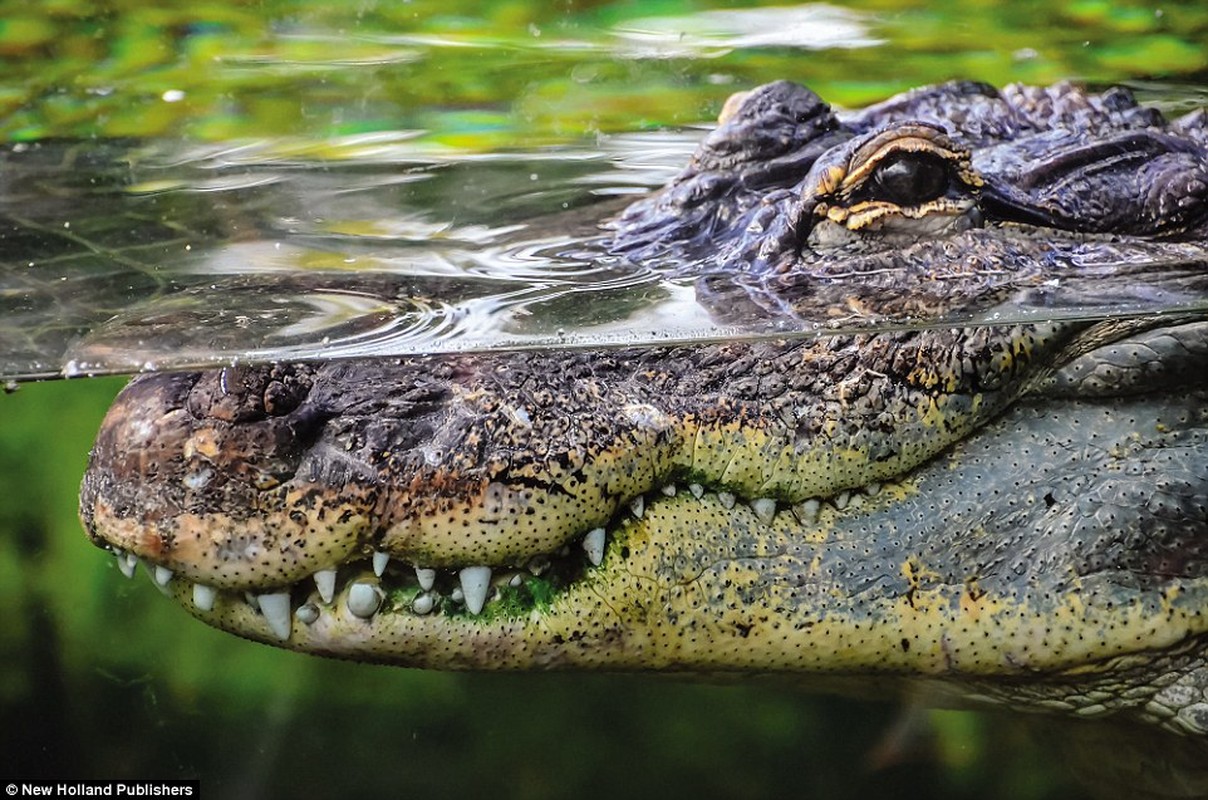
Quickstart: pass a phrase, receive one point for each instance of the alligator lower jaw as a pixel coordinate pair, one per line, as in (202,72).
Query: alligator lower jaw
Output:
(381,608)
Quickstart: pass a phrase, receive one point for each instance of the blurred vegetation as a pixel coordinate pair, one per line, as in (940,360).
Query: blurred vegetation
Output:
(101,677)
(517,73)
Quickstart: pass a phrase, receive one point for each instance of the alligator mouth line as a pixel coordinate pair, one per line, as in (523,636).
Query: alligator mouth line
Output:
(378,583)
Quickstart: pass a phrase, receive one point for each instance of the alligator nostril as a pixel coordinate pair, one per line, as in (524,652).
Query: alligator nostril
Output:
(248,393)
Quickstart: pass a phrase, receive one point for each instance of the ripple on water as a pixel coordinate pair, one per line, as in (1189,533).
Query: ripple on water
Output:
(279,250)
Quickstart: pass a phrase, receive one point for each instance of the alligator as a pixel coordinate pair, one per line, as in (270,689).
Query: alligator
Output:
(1002,512)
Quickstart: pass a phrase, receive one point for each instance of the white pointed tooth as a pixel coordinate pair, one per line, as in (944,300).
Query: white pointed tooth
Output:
(668,490)
(380,560)
(593,544)
(842,499)
(426,578)
(203,596)
(275,608)
(325,582)
(765,509)
(364,599)
(697,490)
(423,603)
(516,580)
(475,581)
(252,600)
(127,562)
(638,506)
(808,510)
(726,499)
(162,575)
(873,489)
(457,595)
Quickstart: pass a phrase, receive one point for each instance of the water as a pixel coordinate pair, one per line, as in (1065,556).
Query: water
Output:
(124,256)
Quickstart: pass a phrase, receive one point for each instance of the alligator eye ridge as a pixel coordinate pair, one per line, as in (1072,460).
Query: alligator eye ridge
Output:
(910,179)
(904,182)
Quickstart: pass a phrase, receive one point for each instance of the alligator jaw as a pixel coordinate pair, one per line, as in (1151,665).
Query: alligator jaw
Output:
(914,579)
(1053,544)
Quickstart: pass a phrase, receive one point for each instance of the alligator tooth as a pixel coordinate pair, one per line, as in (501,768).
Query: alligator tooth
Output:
(765,509)
(638,506)
(474,584)
(457,595)
(275,608)
(593,544)
(423,603)
(668,490)
(426,578)
(325,582)
(842,499)
(697,490)
(516,580)
(873,489)
(203,596)
(252,600)
(162,575)
(726,499)
(538,564)
(307,613)
(126,562)
(808,511)
(364,599)
(380,560)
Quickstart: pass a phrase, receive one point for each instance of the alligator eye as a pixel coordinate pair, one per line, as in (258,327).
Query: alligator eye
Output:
(911,179)
(905,182)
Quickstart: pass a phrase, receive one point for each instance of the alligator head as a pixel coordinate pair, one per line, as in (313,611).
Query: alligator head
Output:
(1015,512)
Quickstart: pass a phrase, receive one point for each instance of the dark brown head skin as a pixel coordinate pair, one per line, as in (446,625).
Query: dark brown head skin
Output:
(1007,512)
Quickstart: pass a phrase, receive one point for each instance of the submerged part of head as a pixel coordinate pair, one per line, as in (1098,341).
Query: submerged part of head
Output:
(1015,511)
